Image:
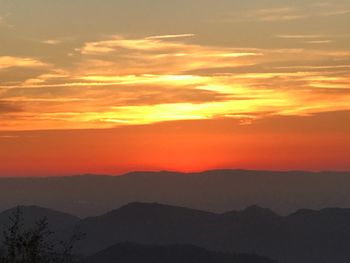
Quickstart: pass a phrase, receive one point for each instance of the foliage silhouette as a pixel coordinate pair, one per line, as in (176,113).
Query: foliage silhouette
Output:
(36,244)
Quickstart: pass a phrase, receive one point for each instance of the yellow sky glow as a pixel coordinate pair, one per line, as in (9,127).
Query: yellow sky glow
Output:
(106,80)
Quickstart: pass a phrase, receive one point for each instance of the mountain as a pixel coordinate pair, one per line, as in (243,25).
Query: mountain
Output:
(148,223)
(217,191)
(254,213)
(302,237)
(135,253)
(58,221)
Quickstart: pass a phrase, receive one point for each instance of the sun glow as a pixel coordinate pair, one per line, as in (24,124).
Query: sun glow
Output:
(186,85)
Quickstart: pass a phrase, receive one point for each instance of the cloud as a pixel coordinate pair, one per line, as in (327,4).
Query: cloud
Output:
(276,14)
(290,13)
(153,43)
(52,76)
(315,67)
(154,56)
(312,38)
(52,42)
(128,81)
(171,36)
(325,41)
(23,62)
(8,136)
(301,36)
(335,12)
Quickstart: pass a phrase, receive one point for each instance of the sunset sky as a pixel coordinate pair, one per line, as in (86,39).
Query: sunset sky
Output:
(112,86)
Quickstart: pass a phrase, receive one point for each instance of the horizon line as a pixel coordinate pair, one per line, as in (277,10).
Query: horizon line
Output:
(134,172)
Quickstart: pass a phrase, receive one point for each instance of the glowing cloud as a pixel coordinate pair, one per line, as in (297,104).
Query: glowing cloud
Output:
(9,62)
(197,80)
(130,81)
(291,13)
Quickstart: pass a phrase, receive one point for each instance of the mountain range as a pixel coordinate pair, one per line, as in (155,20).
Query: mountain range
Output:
(305,236)
(216,191)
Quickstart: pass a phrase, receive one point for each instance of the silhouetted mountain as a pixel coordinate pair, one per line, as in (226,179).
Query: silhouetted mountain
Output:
(134,253)
(254,213)
(305,236)
(218,191)
(159,212)
(58,221)
(142,223)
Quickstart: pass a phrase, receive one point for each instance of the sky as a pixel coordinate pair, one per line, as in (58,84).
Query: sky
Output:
(112,86)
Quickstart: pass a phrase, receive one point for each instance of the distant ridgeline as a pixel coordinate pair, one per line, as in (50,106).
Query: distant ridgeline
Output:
(151,232)
(217,190)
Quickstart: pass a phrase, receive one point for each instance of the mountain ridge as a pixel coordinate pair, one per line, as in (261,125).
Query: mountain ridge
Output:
(215,191)
(304,236)
(174,172)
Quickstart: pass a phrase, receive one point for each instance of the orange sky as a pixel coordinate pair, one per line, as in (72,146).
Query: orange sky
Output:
(86,88)
(320,142)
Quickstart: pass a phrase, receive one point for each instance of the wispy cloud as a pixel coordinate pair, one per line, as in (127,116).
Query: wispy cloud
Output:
(301,36)
(325,41)
(52,41)
(26,62)
(154,56)
(335,12)
(306,67)
(9,136)
(312,38)
(124,81)
(171,36)
(276,14)
(290,13)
